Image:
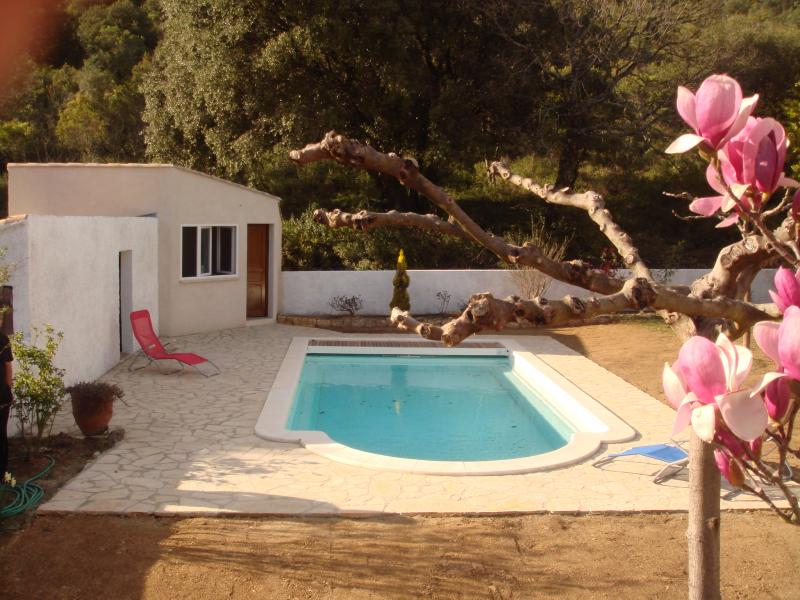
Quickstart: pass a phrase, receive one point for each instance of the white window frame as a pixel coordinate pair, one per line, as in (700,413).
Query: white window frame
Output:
(234,254)
(212,255)
(205,229)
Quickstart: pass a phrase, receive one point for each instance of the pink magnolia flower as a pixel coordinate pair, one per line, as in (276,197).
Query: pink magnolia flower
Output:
(709,205)
(705,386)
(776,398)
(734,445)
(781,342)
(787,289)
(752,164)
(755,446)
(716,113)
(756,155)
(732,175)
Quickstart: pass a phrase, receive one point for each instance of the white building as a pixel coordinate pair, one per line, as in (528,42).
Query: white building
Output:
(89,243)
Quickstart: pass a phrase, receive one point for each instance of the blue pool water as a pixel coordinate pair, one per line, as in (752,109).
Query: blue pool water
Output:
(425,407)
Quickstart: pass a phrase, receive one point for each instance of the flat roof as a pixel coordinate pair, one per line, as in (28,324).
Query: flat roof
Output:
(78,164)
(49,165)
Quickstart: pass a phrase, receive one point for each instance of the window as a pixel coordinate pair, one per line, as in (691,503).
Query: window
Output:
(208,250)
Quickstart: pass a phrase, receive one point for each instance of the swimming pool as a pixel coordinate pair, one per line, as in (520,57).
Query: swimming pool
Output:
(486,407)
(426,407)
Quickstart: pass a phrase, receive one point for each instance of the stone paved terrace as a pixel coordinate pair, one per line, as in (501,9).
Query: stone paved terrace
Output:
(190,448)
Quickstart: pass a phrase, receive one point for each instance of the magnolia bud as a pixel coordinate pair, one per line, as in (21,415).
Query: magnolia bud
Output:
(735,474)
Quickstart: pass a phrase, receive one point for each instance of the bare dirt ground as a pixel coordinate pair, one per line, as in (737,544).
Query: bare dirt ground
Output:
(528,556)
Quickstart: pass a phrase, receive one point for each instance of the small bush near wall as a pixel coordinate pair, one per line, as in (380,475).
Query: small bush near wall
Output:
(443,296)
(38,384)
(349,304)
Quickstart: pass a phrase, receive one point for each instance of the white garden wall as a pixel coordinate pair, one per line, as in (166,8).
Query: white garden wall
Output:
(309,292)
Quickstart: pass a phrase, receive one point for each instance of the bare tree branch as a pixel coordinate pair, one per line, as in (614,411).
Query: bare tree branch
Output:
(366,221)
(783,204)
(485,312)
(353,153)
(754,251)
(773,242)
(687,217)
(707,308)
(593,204)
(686,196)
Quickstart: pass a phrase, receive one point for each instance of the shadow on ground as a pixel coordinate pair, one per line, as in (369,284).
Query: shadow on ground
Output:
(611,556)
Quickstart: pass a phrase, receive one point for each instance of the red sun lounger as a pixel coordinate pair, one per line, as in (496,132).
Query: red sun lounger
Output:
(154,351)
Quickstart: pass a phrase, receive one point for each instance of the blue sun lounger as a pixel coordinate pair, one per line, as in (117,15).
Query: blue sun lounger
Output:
(676,458)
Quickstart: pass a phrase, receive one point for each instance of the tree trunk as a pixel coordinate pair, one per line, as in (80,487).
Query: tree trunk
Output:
(703,530)
(749,333)
(569,162)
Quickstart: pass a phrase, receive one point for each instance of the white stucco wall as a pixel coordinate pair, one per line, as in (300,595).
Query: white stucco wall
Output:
(309,292)
(179,197)
(66,274)
(14,235)
(209,304)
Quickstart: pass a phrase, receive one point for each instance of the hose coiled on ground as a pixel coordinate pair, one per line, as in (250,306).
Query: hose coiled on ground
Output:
(27,494)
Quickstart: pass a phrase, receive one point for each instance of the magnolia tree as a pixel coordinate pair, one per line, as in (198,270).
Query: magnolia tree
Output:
(730,423)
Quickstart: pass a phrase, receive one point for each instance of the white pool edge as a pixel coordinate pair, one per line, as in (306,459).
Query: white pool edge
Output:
(597,425)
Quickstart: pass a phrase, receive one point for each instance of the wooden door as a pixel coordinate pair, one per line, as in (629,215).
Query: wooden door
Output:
(257,270)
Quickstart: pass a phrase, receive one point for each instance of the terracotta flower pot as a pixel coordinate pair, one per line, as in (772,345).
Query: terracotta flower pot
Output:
(93,419)
(93,405)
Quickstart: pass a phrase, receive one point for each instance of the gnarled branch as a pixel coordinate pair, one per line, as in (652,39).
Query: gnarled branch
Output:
(595,207)
(365,221)
(484,311)
(740,260)
(353,153)
(708,307)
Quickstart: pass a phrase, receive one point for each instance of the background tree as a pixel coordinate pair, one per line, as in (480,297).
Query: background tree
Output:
(790,108)
(573,91)
(231,85)
(102,121)
(78,98)
(594,75)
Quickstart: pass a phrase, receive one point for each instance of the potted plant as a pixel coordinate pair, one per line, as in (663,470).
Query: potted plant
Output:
(93,405)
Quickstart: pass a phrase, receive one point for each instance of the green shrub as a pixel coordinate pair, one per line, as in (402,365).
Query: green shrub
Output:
(38,385)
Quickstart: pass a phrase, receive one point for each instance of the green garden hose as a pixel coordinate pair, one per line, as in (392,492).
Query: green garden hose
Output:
(26,495)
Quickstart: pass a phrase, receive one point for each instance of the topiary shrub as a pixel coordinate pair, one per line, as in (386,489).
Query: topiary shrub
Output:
(400,282)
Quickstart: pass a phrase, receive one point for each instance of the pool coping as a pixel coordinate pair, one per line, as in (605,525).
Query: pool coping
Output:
(600,425)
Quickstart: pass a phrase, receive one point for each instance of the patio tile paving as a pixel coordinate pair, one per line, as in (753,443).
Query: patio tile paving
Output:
(189,448)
